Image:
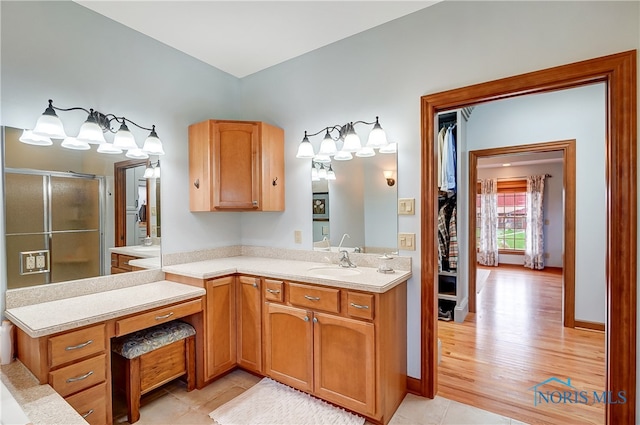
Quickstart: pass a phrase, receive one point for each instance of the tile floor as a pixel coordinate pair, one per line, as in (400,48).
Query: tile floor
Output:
(172,404)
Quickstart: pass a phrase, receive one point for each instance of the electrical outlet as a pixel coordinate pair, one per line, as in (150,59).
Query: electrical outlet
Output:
(30,263)
(297,236)
(40,261)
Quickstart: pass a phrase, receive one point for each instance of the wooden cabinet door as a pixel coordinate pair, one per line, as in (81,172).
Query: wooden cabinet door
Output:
(289,346)
(236,179)
(220,325)
(344,362)
(200,166)
(249,323)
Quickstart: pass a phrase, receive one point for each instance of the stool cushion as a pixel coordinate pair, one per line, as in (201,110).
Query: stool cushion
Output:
(146,340)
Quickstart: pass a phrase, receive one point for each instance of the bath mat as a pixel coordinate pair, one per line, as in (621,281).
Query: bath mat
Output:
(272,403)
(481,278)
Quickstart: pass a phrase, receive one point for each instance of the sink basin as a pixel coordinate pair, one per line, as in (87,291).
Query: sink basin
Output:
(333,271)
(146,248)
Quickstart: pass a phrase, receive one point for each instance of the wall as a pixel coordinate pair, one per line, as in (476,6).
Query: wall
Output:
(385,70)
(552,209)
(78,58)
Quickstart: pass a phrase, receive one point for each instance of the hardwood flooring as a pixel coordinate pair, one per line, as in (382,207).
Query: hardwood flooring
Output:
(516,341)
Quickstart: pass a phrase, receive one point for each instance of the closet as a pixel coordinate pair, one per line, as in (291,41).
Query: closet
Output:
(452,282)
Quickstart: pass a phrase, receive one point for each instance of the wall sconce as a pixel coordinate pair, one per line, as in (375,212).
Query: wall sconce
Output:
(49,126)
(350,143)
(388,175)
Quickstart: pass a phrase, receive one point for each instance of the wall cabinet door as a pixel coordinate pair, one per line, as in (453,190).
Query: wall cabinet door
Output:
(344,362)
(289,346)
(236,166)
(220,325)
(249,323)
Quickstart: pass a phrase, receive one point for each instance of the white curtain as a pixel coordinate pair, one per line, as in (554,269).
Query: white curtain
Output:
(488,249)
(534,238)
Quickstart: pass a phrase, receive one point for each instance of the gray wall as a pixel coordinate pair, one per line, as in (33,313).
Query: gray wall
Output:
(62,51)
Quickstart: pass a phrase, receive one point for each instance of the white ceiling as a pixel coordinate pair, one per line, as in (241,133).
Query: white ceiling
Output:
(243,37)
(520,159)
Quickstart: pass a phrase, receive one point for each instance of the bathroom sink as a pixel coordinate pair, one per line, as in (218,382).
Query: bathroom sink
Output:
(332,271)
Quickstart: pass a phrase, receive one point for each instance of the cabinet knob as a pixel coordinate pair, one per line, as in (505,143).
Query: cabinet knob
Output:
(306,318)
(315,320)
(197,183)
(255,285)
(255,203)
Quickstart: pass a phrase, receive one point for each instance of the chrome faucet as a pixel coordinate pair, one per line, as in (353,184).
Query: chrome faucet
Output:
(346,235)
(344,259)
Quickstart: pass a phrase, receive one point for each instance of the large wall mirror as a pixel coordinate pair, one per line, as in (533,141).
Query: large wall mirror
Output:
(361,202)
(60,211)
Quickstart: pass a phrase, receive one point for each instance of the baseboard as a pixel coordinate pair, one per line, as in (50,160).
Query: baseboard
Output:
(414,385)
(461,310)
(594,326)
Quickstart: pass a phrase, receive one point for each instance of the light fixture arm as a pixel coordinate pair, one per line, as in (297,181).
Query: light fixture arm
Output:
(103,120)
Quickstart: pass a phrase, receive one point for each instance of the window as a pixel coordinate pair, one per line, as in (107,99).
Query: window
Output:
(512,216)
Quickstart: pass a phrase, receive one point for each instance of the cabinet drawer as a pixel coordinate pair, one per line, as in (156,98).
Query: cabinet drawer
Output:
(360,305)
(315,297)
(91,404)
(155,317)
(75,345)
(78,376)
(273,290)
(123,261)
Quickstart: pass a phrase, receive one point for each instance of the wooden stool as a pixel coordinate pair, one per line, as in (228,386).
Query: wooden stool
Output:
(149,358)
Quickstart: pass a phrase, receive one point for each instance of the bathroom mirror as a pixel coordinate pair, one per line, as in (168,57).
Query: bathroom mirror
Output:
(60,210)
(361,202)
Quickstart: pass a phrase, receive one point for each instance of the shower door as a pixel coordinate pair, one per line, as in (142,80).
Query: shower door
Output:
(57,216)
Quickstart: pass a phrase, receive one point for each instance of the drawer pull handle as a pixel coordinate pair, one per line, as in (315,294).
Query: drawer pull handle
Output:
(310,298)
(362,307)
(87,414)
(75,347)
(80,378)
(164,316)
(273,291)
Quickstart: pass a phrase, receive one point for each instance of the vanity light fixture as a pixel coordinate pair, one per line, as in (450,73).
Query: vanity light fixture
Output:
(152,171)
(388,175)
(351,143)
(49,126)
(321,171)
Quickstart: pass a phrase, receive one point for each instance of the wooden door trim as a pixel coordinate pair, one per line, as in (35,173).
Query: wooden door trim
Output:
(568,149)
(120,198)
(618,72)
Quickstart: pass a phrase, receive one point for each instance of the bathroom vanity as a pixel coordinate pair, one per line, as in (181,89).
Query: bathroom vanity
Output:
(336,333)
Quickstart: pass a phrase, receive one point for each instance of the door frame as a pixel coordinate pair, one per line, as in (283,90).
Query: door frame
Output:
(618,72)
(120,198)
(568,149)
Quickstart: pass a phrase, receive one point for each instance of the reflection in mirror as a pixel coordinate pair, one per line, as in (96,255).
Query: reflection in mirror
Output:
(60,212)
(361,203)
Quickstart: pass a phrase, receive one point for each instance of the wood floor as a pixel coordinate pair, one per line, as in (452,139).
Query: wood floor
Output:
(516,341)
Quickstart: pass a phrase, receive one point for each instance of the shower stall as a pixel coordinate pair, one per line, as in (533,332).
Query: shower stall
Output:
(53,226)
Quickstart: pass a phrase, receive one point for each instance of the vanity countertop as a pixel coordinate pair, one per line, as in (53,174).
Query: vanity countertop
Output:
(57,316)
(146,263)
(140,251)
(329,274)
(40,403)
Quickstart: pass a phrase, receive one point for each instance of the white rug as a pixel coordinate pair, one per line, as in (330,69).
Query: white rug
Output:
(481,278)
(272,403)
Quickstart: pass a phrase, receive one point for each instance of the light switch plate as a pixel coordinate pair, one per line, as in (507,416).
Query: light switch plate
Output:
(406,206)
(407,241)
(297,236)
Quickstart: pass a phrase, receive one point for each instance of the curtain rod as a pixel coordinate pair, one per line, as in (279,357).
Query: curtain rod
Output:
(517,178)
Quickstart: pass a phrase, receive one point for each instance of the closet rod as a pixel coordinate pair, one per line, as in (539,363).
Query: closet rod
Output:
(516,178)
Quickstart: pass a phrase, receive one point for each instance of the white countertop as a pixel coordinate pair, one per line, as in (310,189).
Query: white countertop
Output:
(140,251)
(147,263)
(57,316)
(363,279)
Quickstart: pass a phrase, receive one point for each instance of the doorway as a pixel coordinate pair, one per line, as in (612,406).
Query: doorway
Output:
(619,73)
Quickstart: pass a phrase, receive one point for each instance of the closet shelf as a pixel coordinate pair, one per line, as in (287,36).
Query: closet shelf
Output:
(444,273)
(450,297)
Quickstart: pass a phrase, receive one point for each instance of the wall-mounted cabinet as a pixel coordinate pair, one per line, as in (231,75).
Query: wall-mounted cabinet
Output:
(236,166)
